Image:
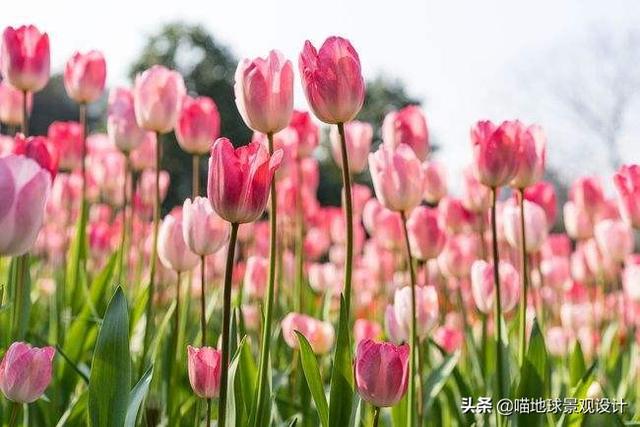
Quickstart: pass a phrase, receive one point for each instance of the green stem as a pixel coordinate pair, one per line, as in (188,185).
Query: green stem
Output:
(13,418)
(173,382)
(348,216)
(203,305)
(226,318)
(299,242)
(208,413)
(195,178)
(413,368)
(525,281)
(24,127)
(22,267)
(376,416)
(83,124)
(498,300)
(123,238)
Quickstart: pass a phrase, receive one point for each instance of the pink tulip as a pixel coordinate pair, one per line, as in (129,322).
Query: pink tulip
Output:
(157,95)
(530,155)
(147,185)
(172,249)
(198,124)
(449,338)
(202,229)
(388,231)
(39,149)
(67,138)
(435,182)
(358,136)
(483,286)
(307,130)
(364,329)
(475,196)
(535,226)
(24,58)
(24,188)
(557,244)
(11,104)
(614,238)
(239,179)
(319,334)
(25,372)
(588,195)
(556,271)
(264,92)
(577,221)
(407,126)
(332,80)
(557,340)
(84,76)
(122,127)
(544,194)
(427,310)
(144,156)
(381,372)
(255,276)
(204,366)
(627,184)
(459,253)
(397,177)
(455,217)
(631,279)
(495,152)
(426,235)
(322,277)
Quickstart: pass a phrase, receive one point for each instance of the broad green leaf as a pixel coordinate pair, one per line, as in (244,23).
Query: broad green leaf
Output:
(342,374)
(399,412)
(577,366)
(137,396)
(231,380)
(534,377)
(506,359)
(75,411)
(314,380)
(110,377)
(248,377)
(20,286)
(438,378)
(579,392)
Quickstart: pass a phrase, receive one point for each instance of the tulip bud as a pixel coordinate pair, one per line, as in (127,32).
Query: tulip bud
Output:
(426,236)
(332,80)
(122,127)
(157,95)
(198,124)
(84,76)
(25,372)
(381,372)
(172,249)
(577,221)
(407,126)
(319,334)
(535,226)
(24,58)
(627,184)
(483,286)
(494,152)
(358,136)
(11,104)
(530,156)
(39,149)
(202,229)
(204,365)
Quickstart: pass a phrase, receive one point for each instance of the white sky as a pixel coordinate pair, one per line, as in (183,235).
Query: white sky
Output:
(458,55)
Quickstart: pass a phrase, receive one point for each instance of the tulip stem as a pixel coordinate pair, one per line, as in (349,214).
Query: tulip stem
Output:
(299,241)
(524,279)
(25,114)
(414,368)
(226,318)
(203,305)
(376,416)
(172,405)
(348,216)
(195,180)
(13,418)
(82,110)
(208,412)
(498,300)
(123,239)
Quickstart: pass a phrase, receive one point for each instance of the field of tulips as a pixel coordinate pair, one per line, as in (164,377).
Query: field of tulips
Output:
(251,304)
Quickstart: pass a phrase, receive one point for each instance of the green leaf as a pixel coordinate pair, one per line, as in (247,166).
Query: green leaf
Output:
(399,412)
(579,392)
(137,396)
(438,378)
(314,380)
(75,274)
(341,396)
(231,380)
(577,366)
(506,360)
(110,377)
(21,286)
(534,377)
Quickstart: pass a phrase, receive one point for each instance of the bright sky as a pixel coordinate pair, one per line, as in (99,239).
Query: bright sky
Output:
(458,55)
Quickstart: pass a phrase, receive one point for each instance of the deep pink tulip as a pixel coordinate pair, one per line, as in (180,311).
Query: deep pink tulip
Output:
(307,130)
(435,181)
(239,179)
(397,177)
(530,154)
(588,195)
(407,126)
(577,221)
(40,149)
(426,235)
(381,371)
(122,128)
(67,138)
(614,238)
(157,95)
(332,80)
(24,188)
(172,249)
(319,334)
(25,372)
(449,338)
(543,193)
(255,276)
(535,226)
(84,76)
(495,152)
(198,124)
(364,329)
(204,366)
(627,184)
(358,136)
(264,92)
(427,310)
(202,229)
(24,58)
(11,100)
(475,196)
(483,286)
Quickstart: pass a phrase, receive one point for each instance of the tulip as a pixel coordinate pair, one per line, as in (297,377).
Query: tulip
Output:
(557,341)
(255,276)
(475,196)
(358,136)
(535,228)
(364,329)
(495,152)
(67,137)
(322,277)
(627,184)
(172,248)
(588,195)
(122,127)
(158,94)
(307,130)
(202,229)
(239,180)
(544,195)
(407,126)
(614,238)
(577,221)
(381,372)
(146,185)
(204,367)
(198,124)
(530,157)
(24,58)
(449,338)
(388,229)
(24,188)
(459,253)
(332,80)
(84,76)
(557,245)
(319,334)
(455,217)
(397,177)
(483,286)
(144,156)
(11,104)
(631,281)
(39,149)
(264,92)
(435,182)
(25,372)
(427,311)
(426,235)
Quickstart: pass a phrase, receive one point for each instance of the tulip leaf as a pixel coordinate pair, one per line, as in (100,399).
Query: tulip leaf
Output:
(137,396)
(110,377)
(577,366)
(75,274)
(506,360)
(21,295)
(245,383)
(314,380)
(579,392)
(438,378)
(232,415)
(341,395)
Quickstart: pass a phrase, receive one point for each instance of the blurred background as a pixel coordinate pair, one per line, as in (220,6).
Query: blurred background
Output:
(573,66)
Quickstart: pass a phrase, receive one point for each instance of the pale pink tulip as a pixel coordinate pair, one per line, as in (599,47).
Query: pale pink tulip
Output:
(427,310)
(122,127)
(435,181)
(459,253)
(364,329)
(454,216)
(255,276)
(544,194)
(358,136)
(588,195)
(631,279)
(202,229)
(483,286)
(535,226)
(25,372)
(172,249)
(577,221)
(475,196)
(407,126)
(319,334)
(557,340)
(24,58)
(157,95)
(84,76)
(614,238)
(11,104)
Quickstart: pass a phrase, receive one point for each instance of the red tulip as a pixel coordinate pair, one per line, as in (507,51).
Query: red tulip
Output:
(84,76)
(358,136)
(67,138)
(39,149)
(202,229)
(25,372)
(24,58)
(530,156)
(381,372)
(264,92)
(426,235)
(198,124)
(407,126)
(332,80)
(11,104)
(239,179)
(495,152)
(122,127)
(157,94)
(307,130)
(627,184)
(204,365)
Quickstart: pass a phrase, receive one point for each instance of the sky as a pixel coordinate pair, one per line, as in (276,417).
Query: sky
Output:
(463,58)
